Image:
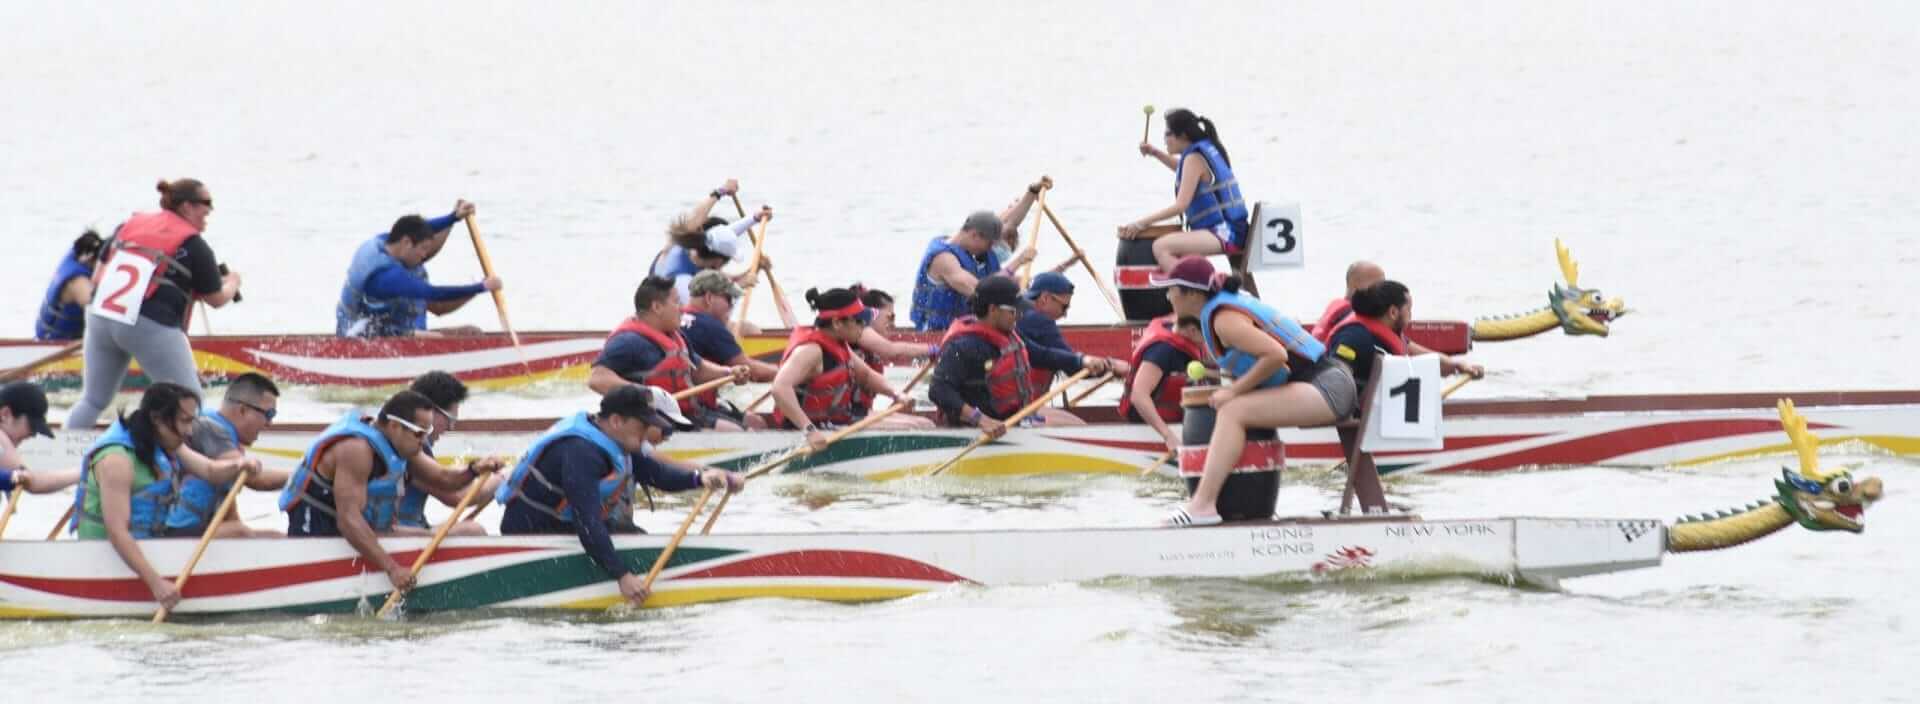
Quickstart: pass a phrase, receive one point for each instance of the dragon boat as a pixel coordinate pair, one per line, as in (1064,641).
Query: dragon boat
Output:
(323,575)
(491,360)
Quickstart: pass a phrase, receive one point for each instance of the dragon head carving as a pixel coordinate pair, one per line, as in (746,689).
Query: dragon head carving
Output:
(1582,311)
(1820,499)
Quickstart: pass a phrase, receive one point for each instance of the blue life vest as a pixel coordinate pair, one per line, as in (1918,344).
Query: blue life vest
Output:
(199,497)
(1303,352)
(1217,202)
(674,263)
(148,506)
(936,305)
(383,489)
(62,321)
(412,508)
(357,315)
(613,486)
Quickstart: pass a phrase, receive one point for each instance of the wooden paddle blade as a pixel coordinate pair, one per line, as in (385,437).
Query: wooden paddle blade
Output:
(206,538)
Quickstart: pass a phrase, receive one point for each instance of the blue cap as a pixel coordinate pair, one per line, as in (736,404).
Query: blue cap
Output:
(1049,282)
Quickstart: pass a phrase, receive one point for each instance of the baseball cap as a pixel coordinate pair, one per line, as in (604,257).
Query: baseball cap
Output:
(667,408)
(713,281)
(1191,272)
(633,402)
(997,290)
(1049,282)
(26,399)
(722,240)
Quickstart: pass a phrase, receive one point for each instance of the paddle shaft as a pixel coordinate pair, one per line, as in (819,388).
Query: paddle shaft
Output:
(1106,289)
(666,553)
(779,296)
(904,390)
(1011,421)
(62,523)
(804,450)
(13,502)
(685,394)
(1075,399)
(499,299)
(1455,386)
(1033,241)
(433,546)
(753,267)
(206,538)
(1168,455)
(23,370)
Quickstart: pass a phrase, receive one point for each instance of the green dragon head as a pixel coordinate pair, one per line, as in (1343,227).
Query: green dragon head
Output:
(1820,499)
(1581,311)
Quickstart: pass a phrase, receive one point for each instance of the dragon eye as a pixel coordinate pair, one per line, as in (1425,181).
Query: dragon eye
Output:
(1594,292)
(1842,486)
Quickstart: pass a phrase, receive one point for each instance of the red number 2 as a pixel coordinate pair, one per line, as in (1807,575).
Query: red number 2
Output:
(112,301)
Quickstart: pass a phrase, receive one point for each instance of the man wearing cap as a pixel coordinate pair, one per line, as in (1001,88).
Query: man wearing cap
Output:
(573,478)
(953,265)
(703,322)
(647,348)
(387,293)
(984,375)
(23,414)
(250,404)
(698,241)
(1048,298)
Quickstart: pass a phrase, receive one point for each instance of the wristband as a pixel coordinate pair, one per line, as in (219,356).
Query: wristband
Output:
(717,194)
(974,416)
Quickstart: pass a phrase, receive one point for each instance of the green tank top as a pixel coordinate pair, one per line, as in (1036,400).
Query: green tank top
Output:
(142,476)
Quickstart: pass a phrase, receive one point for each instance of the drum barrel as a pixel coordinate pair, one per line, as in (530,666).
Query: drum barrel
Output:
(1253,488)
(1133,264)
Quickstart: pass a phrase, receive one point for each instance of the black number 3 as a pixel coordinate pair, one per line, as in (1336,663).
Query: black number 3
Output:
(1287,242)
(1410,387)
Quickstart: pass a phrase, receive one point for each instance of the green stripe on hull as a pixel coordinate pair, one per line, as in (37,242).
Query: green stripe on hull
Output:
(853,448)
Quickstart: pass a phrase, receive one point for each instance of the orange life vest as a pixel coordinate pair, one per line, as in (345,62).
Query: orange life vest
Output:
(675,372)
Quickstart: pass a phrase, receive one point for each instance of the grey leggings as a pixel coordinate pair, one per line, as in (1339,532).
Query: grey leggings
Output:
(162,351)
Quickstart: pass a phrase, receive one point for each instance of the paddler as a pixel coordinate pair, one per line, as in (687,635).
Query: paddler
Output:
(878,348)
(23,414)
(130,476)
(1159,375)
(984,375)
(954,264)
(155,266)
(1204,189)
(1282,377)
(573,478)
(819,370)
(250,404)
(1047,299)
(647,348)
(387,293)
(698,241)
(1378,322)
(1364,274)
(349,483)
(63,314)
(447,393)
(703,323)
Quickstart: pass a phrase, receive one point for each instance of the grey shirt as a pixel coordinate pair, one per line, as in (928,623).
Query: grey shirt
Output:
(211,438)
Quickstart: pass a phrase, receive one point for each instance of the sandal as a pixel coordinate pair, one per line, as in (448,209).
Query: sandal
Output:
(1182,519)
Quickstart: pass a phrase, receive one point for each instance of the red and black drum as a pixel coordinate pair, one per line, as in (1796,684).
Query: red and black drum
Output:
(1254,486)
(1133,264)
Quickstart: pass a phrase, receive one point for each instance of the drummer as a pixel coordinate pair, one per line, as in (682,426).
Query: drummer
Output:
(1205,192)
(1282,377)
(1159,375)
(647,348)
(23,414)
(63,314)
(698,241)
(983,376)
(386,293)
(819,370)
(251,402)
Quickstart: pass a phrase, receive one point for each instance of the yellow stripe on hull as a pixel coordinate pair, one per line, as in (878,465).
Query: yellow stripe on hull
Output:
(1896,444)
(1023,463)
(701,595)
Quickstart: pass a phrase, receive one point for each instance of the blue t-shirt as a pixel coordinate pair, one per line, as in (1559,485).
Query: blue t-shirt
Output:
(632,355)
(1169,358)
(1046,347)
(709,338)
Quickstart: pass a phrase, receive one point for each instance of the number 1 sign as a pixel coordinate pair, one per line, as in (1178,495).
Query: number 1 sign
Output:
(1406,405)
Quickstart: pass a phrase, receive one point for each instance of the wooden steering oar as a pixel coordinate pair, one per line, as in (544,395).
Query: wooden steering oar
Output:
(499,299)
(1011,421)
(13,502)
(666,553)
(22,371)
(206,538)
(440,534)
(1113,299)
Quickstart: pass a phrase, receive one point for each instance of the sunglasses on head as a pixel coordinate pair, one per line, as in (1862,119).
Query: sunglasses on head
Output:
(418,432)
(267,413)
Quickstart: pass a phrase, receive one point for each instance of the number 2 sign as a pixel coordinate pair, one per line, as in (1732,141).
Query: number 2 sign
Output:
(122,288)
(1406,405)
(1276,237)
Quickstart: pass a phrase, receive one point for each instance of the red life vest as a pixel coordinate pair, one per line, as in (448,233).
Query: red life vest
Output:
(1336,312)
(1008,378)
(827,397)
(1388,338)
(155,237)
(1166,398)
(675,372)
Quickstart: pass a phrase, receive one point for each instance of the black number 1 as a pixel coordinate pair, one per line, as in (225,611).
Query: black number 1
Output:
(1410,387)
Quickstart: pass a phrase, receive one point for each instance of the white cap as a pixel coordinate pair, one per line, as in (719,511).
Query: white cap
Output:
(668,408)
(722,240)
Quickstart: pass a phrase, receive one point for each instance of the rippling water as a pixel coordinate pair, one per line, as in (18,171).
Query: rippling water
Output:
(1741,174)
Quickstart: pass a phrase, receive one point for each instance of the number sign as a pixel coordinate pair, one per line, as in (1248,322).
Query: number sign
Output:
(123,288)
(1406,405)
(1276,237)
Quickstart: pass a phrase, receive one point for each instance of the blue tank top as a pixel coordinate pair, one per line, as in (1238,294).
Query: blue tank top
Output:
(62,321)
(612,487)
(936,305)
(1303,352)
(1217,202)
(358,315)
(383,489)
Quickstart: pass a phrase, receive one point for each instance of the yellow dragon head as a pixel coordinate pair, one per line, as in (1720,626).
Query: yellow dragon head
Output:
(1581,311)
(1820,499)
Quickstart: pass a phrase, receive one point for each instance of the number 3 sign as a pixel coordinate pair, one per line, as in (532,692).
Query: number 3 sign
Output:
(1276,237)
(1405,414)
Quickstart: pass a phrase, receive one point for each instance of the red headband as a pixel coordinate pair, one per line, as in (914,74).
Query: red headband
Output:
(846,311)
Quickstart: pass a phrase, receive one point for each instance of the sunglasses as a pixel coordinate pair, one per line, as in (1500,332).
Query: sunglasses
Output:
(202,201)
(267,413)
(442,412)
(419,433)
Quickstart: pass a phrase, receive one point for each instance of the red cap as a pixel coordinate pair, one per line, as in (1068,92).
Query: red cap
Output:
(1191,272)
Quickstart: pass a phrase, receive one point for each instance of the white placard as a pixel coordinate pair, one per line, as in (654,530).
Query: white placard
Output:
(123,288)
(1275,236)
(1406,405)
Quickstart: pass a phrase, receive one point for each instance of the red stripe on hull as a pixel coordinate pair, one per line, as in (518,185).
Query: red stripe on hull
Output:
(1595,449)
(828,563)
(229,583)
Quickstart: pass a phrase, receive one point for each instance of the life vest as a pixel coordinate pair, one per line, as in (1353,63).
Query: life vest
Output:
(1336,311)
(675,371)
(1038,379)
(1302,350)
(936,305)
(62,321)
(674,262)
(1008,379)
(383,488)
(147,505)
(199,497)
(1166,397)
(1392,341)
(359,315)
(612,487)
(1217,202)
(145,242)
(861,398)
(827,397)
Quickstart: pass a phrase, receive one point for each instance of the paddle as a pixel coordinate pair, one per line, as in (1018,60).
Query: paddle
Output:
(13,502)
(1082,396)
(1113,299)
(1033,241)
(499,299)
(440,534)
(779,296)
(21,372)
(1011,421)
(688,393)
(62,523)
(1168,455)
(1147,128)
(753,268)
(206,538)
(674,543)
(1455,386)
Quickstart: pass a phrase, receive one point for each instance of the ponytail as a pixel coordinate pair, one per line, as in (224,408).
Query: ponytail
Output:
(1213,135)
(1228,283)
(1374,301)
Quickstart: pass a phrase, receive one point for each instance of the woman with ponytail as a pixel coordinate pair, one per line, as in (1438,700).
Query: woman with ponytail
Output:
(1204,190)
(1379,322)
(1281,376)
(819,370)
(150,273)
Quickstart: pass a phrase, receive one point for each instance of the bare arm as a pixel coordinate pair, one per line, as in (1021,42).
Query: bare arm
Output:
(1140,394)
(892,350)
(602,380)
(709,371)
(801,365)
(1015,212)
(758,371)
(872,379)
(48,481)
(116,489)
(1189,185)
(219,471)
(352,463)
(78,291)
(422,469)
(1158,154)
(945,269)
(1239,332)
